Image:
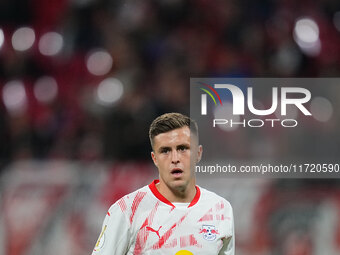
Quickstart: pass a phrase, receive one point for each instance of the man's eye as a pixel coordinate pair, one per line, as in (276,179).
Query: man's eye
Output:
(182,148)
(165,151)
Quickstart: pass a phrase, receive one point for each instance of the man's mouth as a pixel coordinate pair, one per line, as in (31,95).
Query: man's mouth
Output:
(176,172)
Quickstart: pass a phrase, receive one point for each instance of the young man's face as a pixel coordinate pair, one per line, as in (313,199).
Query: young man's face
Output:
(175,153)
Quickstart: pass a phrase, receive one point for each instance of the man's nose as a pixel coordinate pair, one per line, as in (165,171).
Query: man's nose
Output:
(175,157)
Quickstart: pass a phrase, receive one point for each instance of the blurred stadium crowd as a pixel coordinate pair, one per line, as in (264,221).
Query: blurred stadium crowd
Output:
(82,80)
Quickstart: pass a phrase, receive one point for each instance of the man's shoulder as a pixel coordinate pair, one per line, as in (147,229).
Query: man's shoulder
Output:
(135,196)
(208,196)
(131,201)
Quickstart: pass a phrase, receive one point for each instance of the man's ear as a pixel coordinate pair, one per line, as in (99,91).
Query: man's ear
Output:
(199,153)
(153,156)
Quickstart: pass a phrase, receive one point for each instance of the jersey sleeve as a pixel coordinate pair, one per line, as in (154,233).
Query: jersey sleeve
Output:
(229,242)
(115,234)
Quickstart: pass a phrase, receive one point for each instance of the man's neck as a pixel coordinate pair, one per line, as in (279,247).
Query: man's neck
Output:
(180,195)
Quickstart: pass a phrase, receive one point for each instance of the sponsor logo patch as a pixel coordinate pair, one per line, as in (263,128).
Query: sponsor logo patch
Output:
(101,240)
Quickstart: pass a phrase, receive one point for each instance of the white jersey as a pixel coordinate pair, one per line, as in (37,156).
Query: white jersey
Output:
(145,222)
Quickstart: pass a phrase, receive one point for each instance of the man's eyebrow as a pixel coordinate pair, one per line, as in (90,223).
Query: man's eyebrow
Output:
(183,145)
(164,148)
(187,145)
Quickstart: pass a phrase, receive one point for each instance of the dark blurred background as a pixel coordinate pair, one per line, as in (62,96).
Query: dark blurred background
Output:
(81,80)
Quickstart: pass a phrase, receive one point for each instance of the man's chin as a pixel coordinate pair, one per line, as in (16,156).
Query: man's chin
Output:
(179,184)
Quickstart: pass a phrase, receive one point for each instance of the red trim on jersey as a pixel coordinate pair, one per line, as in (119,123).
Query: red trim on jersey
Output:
(197,196)
(157,194)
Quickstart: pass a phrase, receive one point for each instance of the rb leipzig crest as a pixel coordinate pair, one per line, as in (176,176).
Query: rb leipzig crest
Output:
(209,232)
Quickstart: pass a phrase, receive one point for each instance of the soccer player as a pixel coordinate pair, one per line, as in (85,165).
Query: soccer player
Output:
(171,215)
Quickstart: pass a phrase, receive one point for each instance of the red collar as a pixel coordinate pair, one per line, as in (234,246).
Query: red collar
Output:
(157,194)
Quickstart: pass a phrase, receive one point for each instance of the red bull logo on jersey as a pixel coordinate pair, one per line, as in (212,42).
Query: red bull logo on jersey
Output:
(209,232)
(184,252)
